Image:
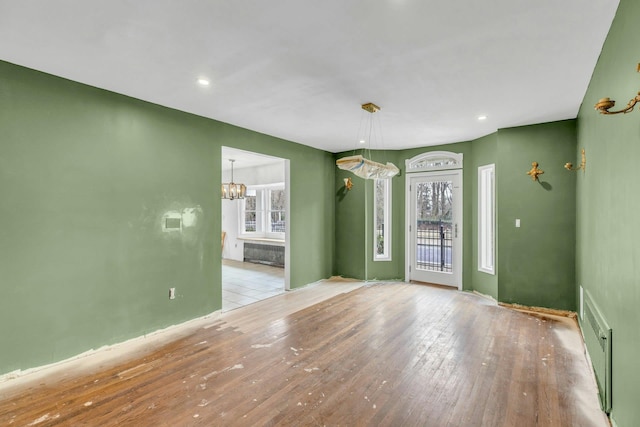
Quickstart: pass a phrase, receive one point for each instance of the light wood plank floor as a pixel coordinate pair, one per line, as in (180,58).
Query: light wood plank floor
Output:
(379,355)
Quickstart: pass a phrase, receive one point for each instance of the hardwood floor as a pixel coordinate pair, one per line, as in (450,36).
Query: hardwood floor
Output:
(387,354)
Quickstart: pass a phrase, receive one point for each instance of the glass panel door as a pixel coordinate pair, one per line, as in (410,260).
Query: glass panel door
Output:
(435,230)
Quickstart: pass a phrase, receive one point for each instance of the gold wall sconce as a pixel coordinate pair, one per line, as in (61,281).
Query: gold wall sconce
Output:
(604,104)
(348,184)
(535,171)
(583,164)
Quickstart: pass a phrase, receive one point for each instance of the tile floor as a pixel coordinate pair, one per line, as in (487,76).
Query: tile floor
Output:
(245,283)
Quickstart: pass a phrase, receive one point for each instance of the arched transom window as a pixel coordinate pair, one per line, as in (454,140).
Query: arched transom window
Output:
(434,161)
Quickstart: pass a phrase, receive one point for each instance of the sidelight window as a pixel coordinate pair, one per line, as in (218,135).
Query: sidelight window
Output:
(382,220)
(486,218)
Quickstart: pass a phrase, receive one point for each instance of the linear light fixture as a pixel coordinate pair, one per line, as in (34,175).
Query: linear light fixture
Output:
(363,167)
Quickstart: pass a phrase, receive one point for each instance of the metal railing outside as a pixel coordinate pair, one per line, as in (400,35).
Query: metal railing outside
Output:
(434,242)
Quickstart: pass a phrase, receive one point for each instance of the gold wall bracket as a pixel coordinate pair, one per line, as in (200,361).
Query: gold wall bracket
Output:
(605,104)
(348,184)
(583,164)
(535,171)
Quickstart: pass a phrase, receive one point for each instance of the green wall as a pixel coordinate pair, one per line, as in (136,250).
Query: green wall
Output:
(350,227)
(87,176)
(350,223)
(485,152)
(350,216)
(608,252)
(536,264)
(536,261)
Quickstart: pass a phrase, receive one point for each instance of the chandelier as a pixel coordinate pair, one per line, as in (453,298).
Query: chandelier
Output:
(367,168)
(232,190)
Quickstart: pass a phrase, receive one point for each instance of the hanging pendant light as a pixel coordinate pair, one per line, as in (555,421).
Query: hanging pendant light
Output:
(367,168)
(231,190)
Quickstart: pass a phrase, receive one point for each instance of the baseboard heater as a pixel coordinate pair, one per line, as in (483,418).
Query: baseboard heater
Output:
(264,254)
(597,336)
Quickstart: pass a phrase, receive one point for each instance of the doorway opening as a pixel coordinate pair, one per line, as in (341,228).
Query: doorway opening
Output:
(254,229)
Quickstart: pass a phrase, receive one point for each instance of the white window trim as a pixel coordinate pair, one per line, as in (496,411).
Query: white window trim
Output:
(263,190)
(386,256)
(486,218)
(432,161)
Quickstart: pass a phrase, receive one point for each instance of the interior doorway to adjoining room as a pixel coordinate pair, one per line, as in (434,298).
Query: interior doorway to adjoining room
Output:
(254,228)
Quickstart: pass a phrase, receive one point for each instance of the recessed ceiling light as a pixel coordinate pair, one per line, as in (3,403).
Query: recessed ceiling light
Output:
(362,141)
(203,82)
(482,117)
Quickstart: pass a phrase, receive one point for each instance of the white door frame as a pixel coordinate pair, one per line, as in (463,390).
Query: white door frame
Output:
(287,225)
(287,188)
(432,164)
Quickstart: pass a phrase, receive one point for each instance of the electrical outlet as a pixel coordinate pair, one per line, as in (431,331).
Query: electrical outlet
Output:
(172,293)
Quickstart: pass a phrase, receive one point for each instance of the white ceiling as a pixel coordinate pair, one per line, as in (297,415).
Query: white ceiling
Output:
(299,70)
(246,159)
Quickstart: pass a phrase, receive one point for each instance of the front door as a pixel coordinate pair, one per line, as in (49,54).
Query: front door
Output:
(435,228)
